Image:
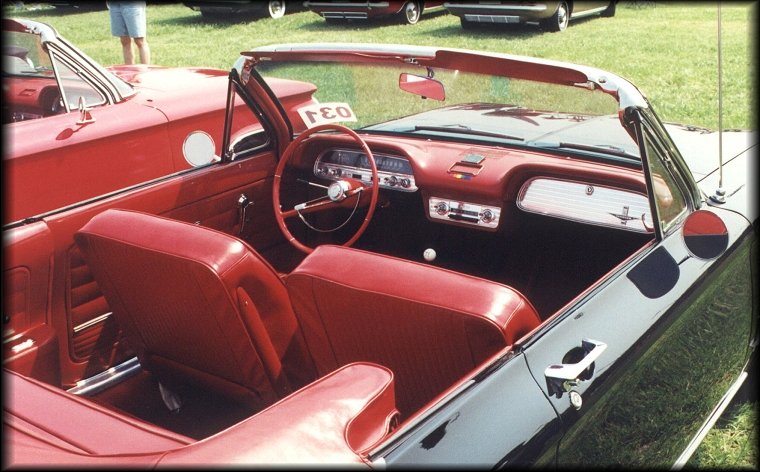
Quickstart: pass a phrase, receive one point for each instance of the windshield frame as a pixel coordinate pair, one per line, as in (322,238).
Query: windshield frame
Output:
(426,59)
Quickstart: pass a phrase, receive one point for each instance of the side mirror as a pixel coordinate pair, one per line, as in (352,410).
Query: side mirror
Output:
(198,148)
(84,113)
(705,235)
(425,87)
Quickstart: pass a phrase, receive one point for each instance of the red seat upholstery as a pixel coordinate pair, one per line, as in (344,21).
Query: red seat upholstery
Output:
(46,425)
(199,307)
(335,419)
(430,326)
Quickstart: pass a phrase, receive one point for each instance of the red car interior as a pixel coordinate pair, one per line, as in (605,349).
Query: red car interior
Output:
(430,328)
(80,427)
(199,306)
(245,281)
(174,286)
(357,401)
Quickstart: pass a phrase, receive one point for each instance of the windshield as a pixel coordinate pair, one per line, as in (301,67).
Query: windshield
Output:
(441,103)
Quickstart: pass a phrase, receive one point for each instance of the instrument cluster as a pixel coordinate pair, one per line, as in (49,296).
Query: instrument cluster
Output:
(393,172)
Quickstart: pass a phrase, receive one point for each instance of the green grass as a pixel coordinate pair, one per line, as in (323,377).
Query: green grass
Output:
(733,441)
(669,50)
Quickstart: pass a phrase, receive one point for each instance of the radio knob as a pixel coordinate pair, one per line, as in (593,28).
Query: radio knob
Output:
(405,183)
(393,181)
(321,171)
(335,172)
(487,216)
(441,208)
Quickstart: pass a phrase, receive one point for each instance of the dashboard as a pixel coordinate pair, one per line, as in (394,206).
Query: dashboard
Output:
(393,172)
(477,187)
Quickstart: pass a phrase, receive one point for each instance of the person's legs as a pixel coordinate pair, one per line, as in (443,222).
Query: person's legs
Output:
(126,49)
(136,23)
(144,50)
(119,29)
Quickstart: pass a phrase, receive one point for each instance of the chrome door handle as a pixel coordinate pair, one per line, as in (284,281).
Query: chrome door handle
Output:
(563,377)
(572,371)
(242,204)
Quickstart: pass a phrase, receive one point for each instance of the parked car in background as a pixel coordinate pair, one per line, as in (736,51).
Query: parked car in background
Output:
(551,16)
(82,5)
(419,257)
(75,130)
(407,11)
(234,8)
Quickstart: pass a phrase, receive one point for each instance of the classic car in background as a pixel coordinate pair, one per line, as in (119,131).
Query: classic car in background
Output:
(75,130)
(551,16)
(232,8)
(407,11)
(442,257)
(81,5)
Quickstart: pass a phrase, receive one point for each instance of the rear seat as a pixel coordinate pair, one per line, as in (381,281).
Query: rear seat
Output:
(335,419)
(47,425)
(429,325)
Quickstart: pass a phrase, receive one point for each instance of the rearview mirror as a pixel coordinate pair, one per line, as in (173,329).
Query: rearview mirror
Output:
(425,87)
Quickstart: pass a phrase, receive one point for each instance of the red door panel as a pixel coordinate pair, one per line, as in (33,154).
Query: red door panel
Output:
(89,341)
(29,342)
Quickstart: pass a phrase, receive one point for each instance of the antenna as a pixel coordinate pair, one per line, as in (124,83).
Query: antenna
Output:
(720,192)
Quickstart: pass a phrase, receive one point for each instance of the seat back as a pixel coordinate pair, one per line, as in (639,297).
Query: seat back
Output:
(200,307)
(429,325)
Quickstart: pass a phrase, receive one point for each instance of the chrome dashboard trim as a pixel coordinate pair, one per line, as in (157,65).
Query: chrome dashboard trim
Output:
(455,211)
(399,181)
(586,203)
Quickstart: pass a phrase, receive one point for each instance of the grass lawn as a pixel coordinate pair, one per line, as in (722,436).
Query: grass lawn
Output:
(669,50)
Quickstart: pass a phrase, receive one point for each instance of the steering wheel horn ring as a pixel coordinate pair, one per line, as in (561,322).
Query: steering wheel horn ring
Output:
(338,191)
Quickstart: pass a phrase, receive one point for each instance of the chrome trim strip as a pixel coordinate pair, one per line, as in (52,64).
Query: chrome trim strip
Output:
(107,378)
(589,12)
(88,324)
(505,19)
(347,4)
(345,15)
(496,6)
(709,422)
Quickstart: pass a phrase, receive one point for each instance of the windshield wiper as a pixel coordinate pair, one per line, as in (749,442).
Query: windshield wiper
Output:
(462,129)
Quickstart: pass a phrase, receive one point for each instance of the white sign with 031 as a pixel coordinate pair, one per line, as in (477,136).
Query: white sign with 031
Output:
(322,113)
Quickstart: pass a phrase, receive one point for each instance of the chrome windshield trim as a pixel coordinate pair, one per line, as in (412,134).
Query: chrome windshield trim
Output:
(625,92)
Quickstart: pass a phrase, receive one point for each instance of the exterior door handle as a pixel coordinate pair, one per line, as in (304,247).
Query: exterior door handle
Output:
(563,377)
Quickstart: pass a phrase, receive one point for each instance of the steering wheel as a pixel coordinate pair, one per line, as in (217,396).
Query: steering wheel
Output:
(340,189)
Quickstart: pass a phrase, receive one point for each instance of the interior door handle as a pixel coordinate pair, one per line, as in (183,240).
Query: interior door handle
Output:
(242,204)
(562,377)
